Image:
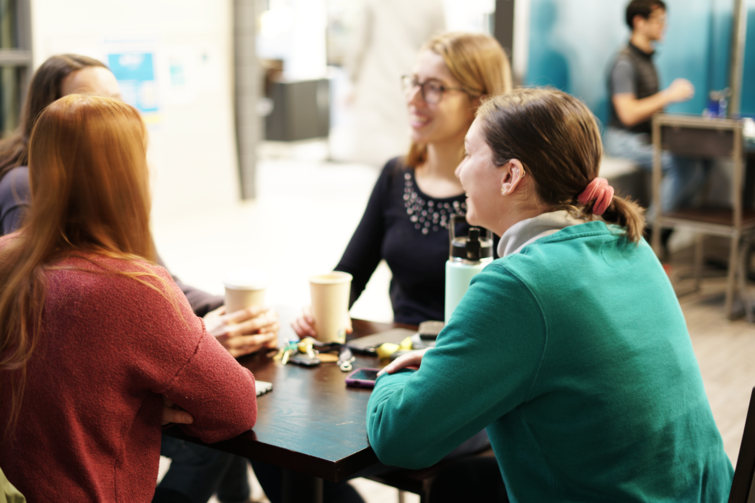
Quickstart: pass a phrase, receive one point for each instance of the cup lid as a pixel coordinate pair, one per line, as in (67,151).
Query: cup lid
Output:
(330,278)
(245,279)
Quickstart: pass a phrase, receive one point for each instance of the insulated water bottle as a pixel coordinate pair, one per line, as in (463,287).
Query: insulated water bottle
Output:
(468,256)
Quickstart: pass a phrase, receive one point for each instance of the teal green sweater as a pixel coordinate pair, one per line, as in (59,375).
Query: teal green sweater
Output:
(575,355)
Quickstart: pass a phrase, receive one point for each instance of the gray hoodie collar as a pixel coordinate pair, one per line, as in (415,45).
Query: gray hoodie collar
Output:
(527,231)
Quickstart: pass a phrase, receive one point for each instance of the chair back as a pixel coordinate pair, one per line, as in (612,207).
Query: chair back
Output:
(8,493)
(742,487)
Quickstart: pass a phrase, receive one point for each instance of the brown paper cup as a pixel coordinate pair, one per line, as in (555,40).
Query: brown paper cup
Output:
(330,305)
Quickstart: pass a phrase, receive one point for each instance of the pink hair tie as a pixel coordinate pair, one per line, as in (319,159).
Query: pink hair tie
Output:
(599,191)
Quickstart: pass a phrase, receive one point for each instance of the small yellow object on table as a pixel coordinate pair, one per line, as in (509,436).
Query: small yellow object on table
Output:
(386,349)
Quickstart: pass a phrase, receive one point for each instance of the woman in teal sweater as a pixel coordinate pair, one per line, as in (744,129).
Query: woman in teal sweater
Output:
(572,348)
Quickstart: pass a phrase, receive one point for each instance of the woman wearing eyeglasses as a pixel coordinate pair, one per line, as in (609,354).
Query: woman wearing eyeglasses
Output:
(407,216)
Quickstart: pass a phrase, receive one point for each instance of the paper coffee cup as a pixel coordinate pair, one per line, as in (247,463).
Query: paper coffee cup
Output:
(330,305)
(244,288)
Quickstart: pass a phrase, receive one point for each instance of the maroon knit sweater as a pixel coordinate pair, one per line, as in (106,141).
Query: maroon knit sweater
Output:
(90,422)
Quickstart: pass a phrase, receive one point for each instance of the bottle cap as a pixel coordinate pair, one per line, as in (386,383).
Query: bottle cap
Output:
(472,247)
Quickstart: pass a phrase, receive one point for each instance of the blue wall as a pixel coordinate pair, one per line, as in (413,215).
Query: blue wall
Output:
(573,42)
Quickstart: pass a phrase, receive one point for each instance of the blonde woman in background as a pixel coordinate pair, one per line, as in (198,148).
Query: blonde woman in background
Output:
(407,217)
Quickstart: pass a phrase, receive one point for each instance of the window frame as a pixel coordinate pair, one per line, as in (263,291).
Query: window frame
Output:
(21,56)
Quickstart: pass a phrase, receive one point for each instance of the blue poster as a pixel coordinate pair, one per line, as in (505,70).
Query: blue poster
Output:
(135,72)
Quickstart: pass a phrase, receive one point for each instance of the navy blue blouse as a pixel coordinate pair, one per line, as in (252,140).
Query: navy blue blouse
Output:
(15,195)
(409,229)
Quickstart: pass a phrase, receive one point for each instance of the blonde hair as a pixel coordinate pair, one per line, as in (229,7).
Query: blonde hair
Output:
(90,194)
(557,140)
(477,61)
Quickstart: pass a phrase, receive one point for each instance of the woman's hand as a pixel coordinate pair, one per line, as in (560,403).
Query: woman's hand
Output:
(413,359)
(174,414)
(244,331)
(304,325)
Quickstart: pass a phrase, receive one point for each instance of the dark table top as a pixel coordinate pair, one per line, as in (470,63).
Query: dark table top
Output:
(311,422)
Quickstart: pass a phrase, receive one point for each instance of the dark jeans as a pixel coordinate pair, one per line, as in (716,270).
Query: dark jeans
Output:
(271,477)
(271,480)
(197,472)
(469,479)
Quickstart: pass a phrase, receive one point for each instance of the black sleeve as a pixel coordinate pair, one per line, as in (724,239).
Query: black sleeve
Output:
(364,252)
(15,196)
(11,220)
(201,302)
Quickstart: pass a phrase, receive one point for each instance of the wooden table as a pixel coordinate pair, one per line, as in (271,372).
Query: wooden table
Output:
(311,424)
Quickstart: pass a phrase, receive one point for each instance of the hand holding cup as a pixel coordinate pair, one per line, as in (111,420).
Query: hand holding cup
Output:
(244,325)
(244,288)
(304,325)
(330,307)
(245,331)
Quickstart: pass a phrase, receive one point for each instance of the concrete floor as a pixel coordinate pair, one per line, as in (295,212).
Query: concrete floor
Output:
(301,222)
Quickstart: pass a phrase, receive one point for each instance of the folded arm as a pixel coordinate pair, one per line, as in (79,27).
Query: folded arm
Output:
(216,391)
(173,355)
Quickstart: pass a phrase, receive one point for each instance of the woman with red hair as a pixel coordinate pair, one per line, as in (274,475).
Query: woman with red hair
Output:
(195,471)
(94,336)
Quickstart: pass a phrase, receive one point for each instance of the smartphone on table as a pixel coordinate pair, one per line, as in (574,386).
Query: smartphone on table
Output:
(429,330)
(362,378)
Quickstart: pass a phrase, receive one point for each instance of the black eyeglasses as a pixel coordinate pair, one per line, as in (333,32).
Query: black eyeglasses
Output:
(431,90)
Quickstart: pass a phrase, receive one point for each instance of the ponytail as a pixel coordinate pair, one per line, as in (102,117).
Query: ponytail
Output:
(627,214)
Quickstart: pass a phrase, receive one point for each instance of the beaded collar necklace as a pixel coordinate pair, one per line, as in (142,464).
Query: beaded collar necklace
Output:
(428,214)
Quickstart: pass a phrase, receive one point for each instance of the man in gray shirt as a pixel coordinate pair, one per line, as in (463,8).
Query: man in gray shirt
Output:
(633,88)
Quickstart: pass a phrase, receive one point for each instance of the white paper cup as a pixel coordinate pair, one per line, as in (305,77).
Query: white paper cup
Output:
(330,305)
(244,288)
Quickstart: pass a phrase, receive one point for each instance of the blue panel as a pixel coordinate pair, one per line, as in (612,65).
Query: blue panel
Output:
(548,64)
(719,51)
(572,45)
(718,59)
(135,73)
(748,82)
(685,51)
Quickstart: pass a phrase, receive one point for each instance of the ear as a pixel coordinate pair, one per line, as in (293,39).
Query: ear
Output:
(512,173)
(636,21)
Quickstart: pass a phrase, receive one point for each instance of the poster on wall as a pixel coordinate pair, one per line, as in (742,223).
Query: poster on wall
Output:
(179,66)
(133,62)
